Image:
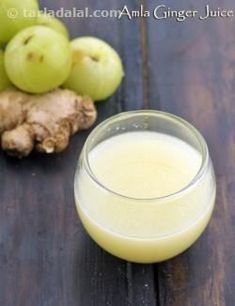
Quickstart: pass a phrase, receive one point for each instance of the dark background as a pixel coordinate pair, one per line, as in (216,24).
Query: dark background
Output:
(46,258)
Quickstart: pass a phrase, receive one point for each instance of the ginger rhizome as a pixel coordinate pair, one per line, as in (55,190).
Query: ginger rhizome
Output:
(44,122)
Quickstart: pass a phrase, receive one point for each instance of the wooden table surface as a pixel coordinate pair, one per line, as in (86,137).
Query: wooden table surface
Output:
(46,257)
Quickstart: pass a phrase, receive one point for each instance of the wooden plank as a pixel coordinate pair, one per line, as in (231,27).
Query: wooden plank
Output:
(191,73)
(46,258)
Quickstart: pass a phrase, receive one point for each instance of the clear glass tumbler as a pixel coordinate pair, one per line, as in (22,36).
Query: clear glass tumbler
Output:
(145,230)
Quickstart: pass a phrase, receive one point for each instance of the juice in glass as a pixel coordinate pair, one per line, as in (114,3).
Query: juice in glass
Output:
(144,187)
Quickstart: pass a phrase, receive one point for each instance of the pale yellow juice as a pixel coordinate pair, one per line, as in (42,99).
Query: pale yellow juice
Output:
(142,214)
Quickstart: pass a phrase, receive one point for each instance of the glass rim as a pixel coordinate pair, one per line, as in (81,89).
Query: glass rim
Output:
(128,114)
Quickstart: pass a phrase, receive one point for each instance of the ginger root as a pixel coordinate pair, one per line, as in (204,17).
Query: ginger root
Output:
(44,122)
